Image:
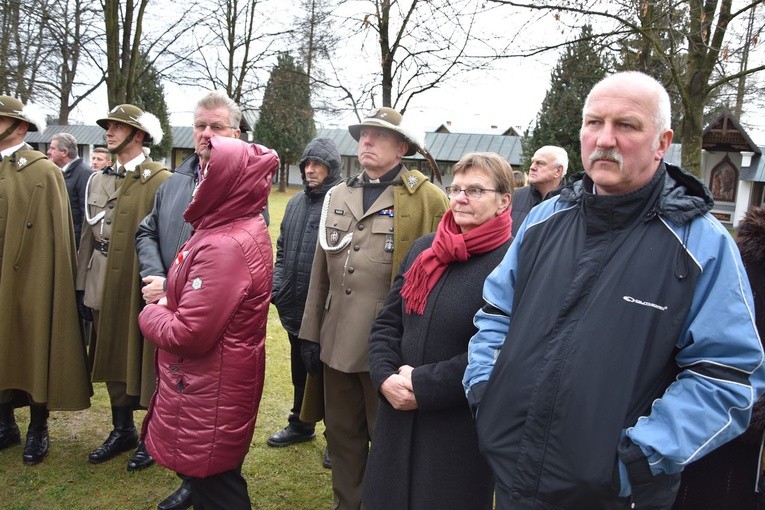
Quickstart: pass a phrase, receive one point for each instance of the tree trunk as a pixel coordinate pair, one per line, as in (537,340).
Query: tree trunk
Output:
(386,55)
(283,176)
(691,129)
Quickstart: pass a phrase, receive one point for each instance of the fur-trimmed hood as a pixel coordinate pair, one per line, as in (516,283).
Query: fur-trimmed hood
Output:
(750,236)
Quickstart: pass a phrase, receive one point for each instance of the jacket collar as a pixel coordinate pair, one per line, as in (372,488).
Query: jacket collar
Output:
(672,192)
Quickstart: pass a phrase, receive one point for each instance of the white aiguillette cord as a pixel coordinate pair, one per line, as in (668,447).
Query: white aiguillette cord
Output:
(345,241)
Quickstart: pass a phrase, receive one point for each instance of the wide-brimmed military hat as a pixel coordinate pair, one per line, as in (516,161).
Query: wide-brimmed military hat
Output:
(388,118)
(133,116)
(15,109)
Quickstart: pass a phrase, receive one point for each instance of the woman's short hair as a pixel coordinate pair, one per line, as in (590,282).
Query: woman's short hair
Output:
(493,164)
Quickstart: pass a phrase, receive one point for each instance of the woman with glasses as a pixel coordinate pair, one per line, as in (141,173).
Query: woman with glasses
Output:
(424,451)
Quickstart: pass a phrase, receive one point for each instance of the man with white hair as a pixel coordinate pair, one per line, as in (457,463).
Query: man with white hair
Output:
(43,362)
(620,316)
(119,197)
(367,226)
(546,177)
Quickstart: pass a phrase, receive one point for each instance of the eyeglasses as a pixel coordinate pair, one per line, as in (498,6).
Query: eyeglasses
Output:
(216,128)
(471,193)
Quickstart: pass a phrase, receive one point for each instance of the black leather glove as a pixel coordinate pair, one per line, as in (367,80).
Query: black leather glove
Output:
(85,312)
(311,354)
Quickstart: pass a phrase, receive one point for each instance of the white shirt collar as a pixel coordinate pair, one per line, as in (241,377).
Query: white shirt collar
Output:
(130,165)
(10,150)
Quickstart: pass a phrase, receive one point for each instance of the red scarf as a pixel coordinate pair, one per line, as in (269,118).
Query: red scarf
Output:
(450,245)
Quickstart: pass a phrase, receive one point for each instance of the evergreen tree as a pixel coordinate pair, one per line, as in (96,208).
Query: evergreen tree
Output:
(559,120)
(286,116)
(150,97)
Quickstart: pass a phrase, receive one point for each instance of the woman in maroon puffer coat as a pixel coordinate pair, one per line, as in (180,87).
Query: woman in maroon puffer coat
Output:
(210,328)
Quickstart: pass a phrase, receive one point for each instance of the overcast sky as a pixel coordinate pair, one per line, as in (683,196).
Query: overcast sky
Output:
(509,95)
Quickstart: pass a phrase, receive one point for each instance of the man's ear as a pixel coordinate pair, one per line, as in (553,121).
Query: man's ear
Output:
(663,143)
(403,148)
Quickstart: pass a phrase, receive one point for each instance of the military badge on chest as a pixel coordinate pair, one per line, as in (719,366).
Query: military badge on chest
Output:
(389,243)
(334,237)
(334,234)
(389,237)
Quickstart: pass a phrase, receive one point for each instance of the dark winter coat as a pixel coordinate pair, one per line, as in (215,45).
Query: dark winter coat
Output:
(76,177)
(163,231)
(41,350)
(429,458)
(524,199)
(211,335)
(725,479)
(617,344)
(299,230)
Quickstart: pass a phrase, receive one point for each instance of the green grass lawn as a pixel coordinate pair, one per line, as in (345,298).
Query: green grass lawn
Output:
(289,478)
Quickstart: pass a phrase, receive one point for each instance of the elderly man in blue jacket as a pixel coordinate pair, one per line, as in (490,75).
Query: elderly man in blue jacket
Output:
(617,343)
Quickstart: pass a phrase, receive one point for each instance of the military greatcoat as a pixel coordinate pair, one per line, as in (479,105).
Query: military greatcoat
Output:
(41,350)
(350,279)
(122,354)
(101,197)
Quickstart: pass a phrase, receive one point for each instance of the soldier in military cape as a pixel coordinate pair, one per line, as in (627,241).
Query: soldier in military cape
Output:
(42,364)
(118,199)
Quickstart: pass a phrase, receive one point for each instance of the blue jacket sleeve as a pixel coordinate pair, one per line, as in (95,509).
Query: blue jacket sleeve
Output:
(493,323)
(720,357)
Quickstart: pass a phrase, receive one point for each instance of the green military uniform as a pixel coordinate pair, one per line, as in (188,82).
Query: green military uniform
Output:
(122,354)
(40,338)
(357,256)
(101,196)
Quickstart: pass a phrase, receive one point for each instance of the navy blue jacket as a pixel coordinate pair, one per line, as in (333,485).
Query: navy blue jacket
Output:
(76,179)
(617,344)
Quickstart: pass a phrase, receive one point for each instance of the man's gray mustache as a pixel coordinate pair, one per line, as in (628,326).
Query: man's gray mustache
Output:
(608,155)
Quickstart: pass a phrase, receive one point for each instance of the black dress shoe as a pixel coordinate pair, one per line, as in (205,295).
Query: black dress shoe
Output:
(140,459)
(9,436)
(289,435)
(119,440)
(36,447)
(326,460)
(178,500)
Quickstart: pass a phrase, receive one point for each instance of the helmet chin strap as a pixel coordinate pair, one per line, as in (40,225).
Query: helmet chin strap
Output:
(5,134)
(126,141)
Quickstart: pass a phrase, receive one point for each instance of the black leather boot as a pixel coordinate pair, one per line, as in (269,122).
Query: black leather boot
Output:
(140,459)
(121,439)
(178,500)
(36,447)
(9,431)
